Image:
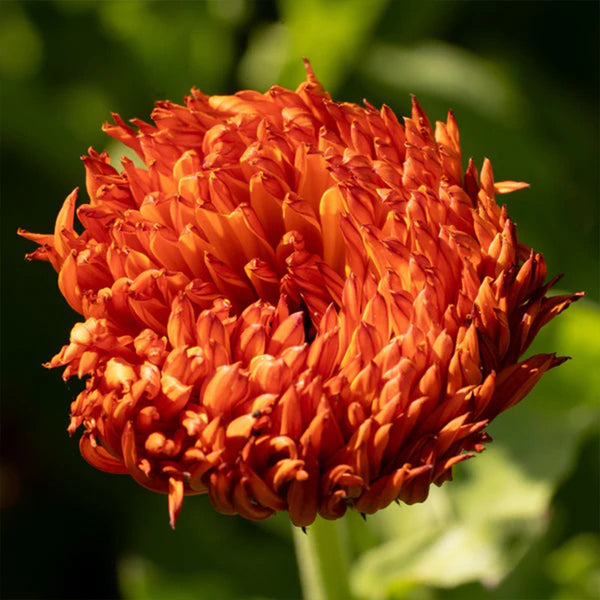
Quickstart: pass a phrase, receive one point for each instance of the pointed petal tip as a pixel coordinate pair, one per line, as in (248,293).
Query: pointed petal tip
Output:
(175,500)
(310,75)
(507,187)
(559,360)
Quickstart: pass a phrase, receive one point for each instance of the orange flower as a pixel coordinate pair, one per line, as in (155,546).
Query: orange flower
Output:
(299,304)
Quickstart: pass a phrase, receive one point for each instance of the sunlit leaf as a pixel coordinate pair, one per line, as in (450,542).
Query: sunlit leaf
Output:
(475,529)
(267,52)
(445,71)
(330,33)
(575,567)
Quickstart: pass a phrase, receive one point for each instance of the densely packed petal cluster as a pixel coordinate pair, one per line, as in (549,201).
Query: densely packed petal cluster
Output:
(297,305)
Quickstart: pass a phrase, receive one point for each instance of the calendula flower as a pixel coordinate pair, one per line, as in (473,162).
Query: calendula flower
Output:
(298,304)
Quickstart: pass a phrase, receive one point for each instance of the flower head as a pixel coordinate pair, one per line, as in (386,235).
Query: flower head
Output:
(298,304)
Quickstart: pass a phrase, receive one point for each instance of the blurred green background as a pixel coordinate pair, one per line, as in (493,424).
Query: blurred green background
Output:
(521,521)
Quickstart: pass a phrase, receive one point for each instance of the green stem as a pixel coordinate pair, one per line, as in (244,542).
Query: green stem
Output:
(323,560)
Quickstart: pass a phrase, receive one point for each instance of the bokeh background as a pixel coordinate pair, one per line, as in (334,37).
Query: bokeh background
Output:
(521,521)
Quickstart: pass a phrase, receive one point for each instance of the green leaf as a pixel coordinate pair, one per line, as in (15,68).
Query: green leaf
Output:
(21,48)
(141,579)
(330,33)
(440,69)
(475,528)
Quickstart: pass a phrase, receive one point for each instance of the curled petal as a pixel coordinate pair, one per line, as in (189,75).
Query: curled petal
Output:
(98,457)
